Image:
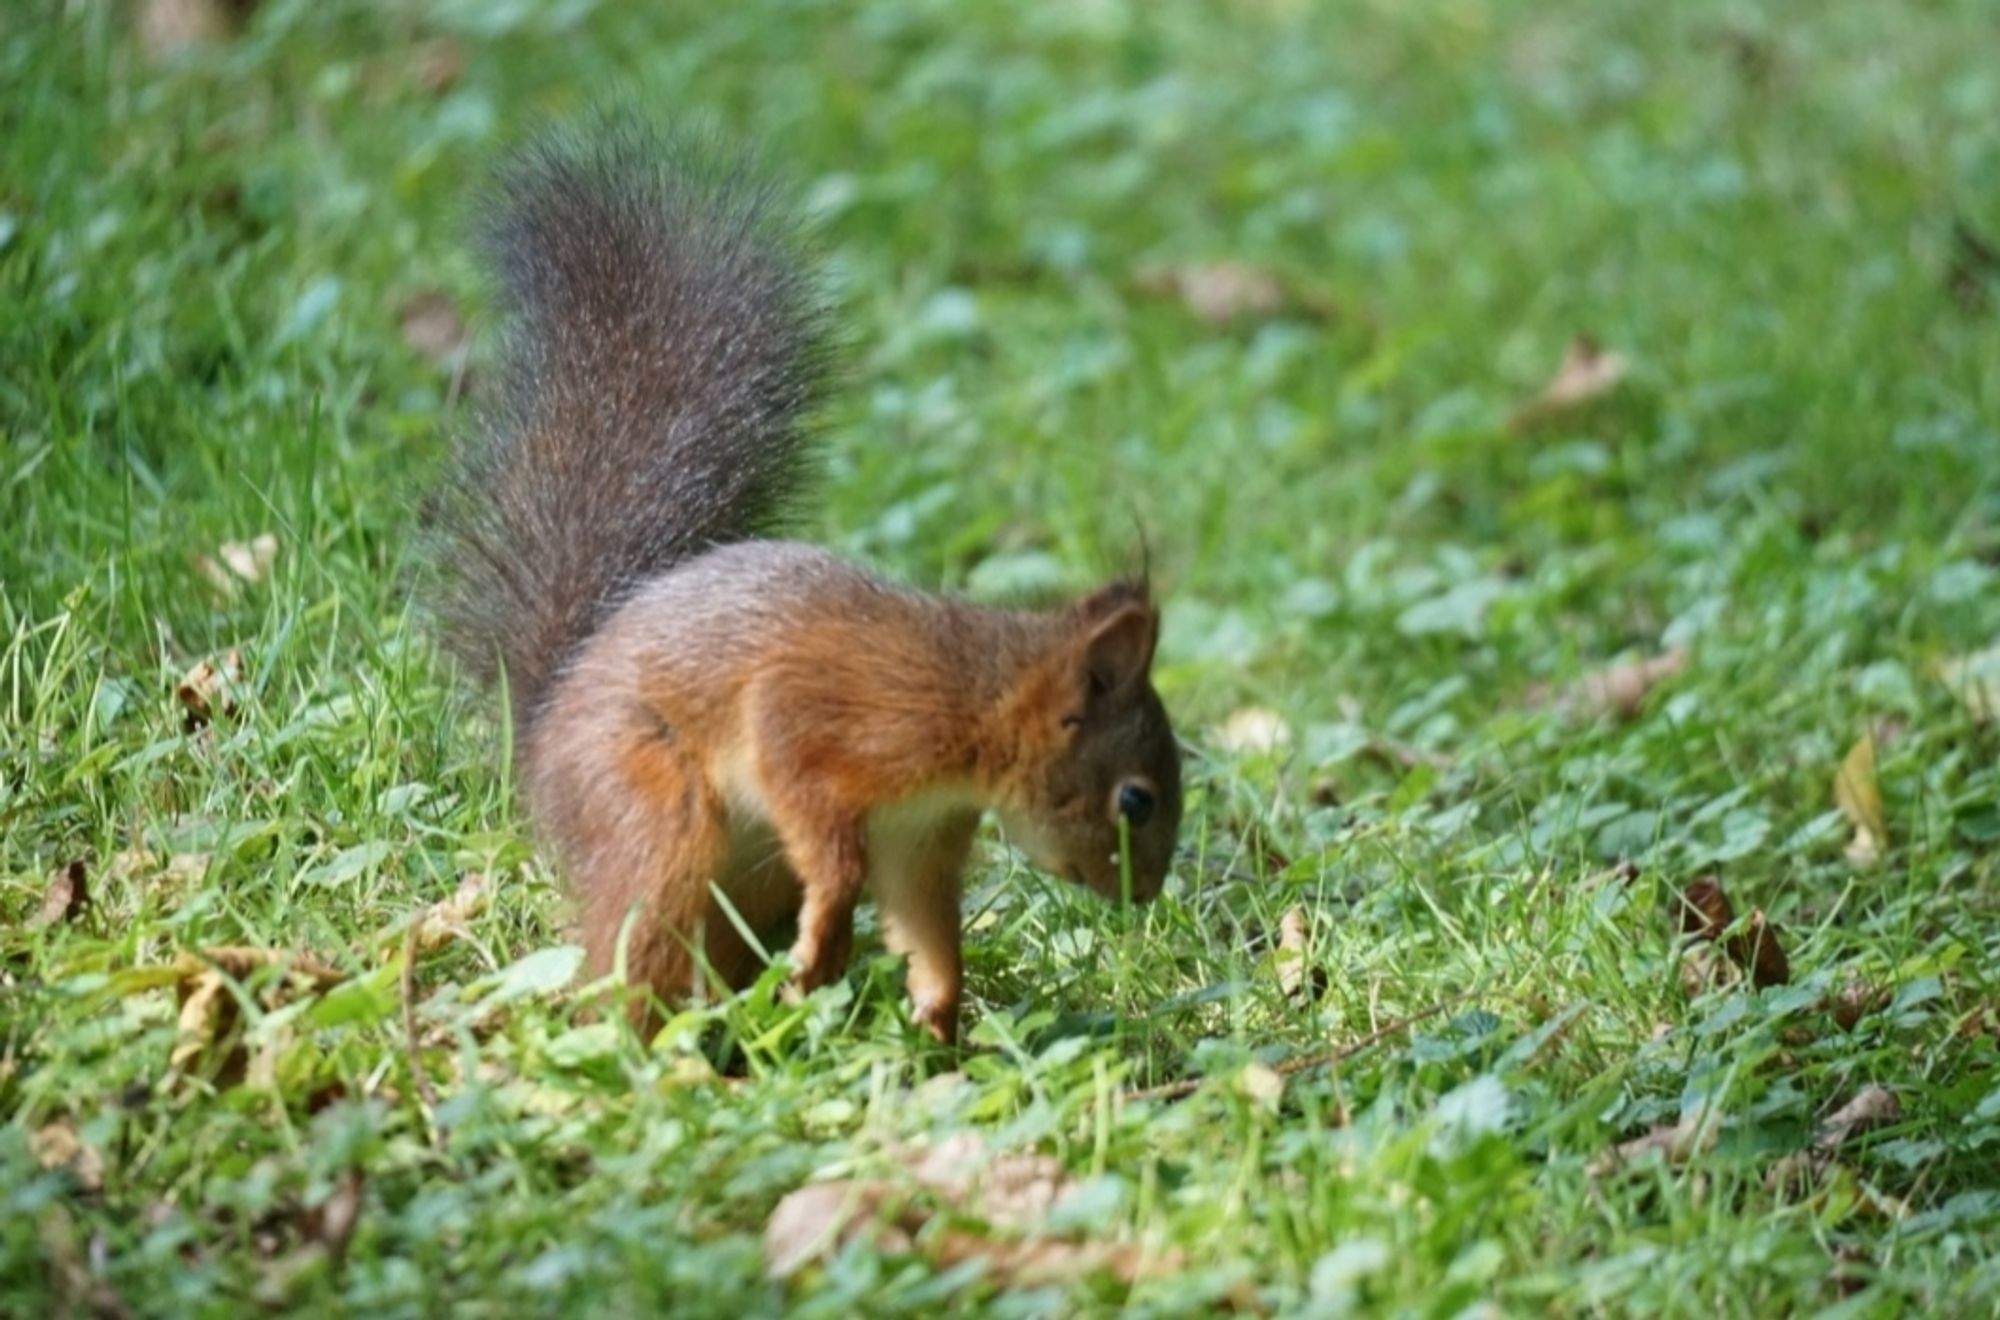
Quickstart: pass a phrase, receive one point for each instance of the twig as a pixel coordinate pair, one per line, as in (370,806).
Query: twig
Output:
(410,1052)
(1305,1063)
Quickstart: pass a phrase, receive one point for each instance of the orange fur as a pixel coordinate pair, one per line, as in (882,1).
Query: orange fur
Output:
(772,723)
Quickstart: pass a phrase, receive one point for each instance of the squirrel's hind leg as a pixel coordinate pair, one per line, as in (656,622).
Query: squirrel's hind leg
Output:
(641,855)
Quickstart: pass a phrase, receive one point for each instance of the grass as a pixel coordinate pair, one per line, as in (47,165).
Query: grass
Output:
(1775,217)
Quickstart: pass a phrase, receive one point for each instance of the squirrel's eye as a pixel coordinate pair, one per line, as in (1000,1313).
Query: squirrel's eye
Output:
(1135,803)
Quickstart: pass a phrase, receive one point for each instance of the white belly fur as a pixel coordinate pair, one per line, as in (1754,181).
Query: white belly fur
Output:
(896,836)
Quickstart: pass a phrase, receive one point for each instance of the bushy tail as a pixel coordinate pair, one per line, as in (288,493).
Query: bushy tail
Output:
(662,347)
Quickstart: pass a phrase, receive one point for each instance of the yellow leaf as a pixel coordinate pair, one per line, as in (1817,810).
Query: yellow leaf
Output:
(1253,731)
(1860,800)
(1975,680)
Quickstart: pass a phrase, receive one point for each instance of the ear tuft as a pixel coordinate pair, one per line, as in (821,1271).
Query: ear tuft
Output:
(1119,647)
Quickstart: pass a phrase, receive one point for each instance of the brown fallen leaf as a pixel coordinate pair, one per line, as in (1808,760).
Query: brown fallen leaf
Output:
(1012,1189)
(210,1014)
(1677,1143)
(1975,680)
(57,1145)
(1760,953)
(209,689)
(813,1221)
(1296,976)
(1617,690)
(432,326)
(1872,1107)
(450,918)
(65,899)
(1012,1193)
(1587,371)
(1705,911)
(1856,1000)
(1221,292)
(1622,872)
(1707,914)
(1859,797)
(1815,1167)
(1038,1262)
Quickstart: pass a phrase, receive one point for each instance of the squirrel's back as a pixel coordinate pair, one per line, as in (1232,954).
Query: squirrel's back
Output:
(662,348)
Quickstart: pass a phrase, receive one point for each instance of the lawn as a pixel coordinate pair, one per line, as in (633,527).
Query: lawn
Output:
(1566,438)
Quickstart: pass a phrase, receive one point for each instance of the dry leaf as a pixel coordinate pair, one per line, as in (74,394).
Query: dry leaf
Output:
(1013,1190)
(1706,914)
(1219,292)
(1296,977)
(449,918)
(1623,872)
(1013,1193)
(209,1011)
(432,326)
(1705,910)
(57,1146)
(1037,1262)
(237,562)
(209,689)
(1618,690)
(253,561)
(1253,731)
(813,1221)
(1587,371)
(1759,952)
(1859,798)
(1856,1000)
(1801,1171)
(1871,1107)
(1975,680)
(1677,1143)
(65,898)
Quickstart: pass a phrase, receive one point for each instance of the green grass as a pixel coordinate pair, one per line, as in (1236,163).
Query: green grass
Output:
(201,270)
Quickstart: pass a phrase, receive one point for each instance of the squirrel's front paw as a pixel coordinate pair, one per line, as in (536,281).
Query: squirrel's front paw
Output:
(822,961)
(939,1017)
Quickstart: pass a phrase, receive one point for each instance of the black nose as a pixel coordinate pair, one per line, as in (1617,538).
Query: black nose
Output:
(1135,804)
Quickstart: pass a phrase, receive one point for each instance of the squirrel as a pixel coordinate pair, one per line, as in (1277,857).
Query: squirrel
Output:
(726,738)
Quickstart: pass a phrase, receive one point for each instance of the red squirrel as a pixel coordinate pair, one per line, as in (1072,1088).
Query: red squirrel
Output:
(701,713)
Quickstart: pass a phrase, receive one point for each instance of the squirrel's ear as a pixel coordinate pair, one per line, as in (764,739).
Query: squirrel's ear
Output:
(1119,648)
